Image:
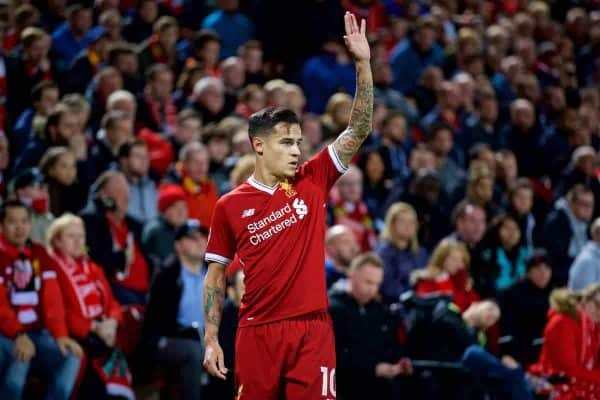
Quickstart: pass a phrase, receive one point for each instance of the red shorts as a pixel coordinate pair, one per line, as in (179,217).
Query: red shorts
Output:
(293,359)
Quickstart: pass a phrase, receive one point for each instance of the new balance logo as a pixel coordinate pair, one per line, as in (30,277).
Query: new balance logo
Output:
(300,207)
(248,213)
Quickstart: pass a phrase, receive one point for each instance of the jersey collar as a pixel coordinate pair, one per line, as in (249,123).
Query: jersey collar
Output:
(261,186)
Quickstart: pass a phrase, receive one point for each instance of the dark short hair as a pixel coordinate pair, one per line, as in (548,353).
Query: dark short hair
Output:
(435,128)
(12,204)
(262,122)
(390,116)
(576,191)
(38,90)
(205,36)
(369,258)
(125,149)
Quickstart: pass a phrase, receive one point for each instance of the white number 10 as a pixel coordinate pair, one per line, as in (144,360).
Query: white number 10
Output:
(328,378)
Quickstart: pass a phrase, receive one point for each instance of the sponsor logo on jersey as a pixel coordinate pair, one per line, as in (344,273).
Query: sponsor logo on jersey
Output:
(248,213)
(288,189)
(277,221)
(300,207)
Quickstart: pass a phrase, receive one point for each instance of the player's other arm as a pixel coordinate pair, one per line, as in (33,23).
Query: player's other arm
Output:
(361,118)
(214,299)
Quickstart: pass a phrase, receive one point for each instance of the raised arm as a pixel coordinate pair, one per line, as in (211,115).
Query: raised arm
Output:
(361,119)
(214,299)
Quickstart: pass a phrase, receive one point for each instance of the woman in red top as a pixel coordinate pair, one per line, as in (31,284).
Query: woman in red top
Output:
(93,314)
(571,344)
(447,273)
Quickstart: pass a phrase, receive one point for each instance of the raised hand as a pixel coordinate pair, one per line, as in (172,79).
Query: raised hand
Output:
(356,38)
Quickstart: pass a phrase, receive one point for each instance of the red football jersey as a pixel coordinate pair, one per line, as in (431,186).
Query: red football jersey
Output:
(278,234)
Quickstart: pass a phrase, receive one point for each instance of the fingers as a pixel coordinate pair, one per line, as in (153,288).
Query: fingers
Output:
(347,23)
(363,27)
(221,366)
(214,364)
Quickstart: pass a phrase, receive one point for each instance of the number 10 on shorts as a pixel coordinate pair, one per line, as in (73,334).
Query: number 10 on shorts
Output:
(328,387)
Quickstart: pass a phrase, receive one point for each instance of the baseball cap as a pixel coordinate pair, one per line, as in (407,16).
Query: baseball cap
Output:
(169,195)
(190,227)
(537,257)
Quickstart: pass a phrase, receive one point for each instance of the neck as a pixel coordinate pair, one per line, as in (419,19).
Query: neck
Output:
(265,177)
(193,266)
(402,244)
(115,216)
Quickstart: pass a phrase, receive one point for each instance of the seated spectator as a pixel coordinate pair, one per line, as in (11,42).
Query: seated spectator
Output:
(29,188)
(394,146)
(117,129)
(520,202)
(233,76)
(252,99)
(34,331)
(209,99)
(399,250)
(218,145)
(106,82)
(392,98)
(448,111)
(88,61)
(377,183)
(469,224)
(340,248)
(347,208)
(93,314)
(188,129)
(123,57)
(336,116)
(191,173)
(233,27)
(174,319)
(251,54)
(585,269)
(483,126)
(156,109)
(140,26)
(502,257)
(439,138)
(66,193)
(365,369)
(565,231)
(158,236)
(570,349)
(581,170)
(114,239)
(480,189)
(294,98)
(447,273)
(524,307)
(135,165)
(242,170)
(507,171)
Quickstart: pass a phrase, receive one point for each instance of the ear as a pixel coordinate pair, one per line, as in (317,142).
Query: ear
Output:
(258,145)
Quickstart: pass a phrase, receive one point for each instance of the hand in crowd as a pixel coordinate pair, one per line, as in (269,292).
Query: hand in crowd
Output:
(214,361)
(107,331)
(66,344)
(510,362)
(78,145)
(24,348)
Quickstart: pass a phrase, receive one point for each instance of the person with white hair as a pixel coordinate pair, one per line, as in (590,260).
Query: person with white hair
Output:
(585,270)
(581,169)
(341,247)
(209,95)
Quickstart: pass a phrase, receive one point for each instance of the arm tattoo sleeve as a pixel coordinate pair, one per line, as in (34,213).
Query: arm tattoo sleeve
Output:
(214,299)
(361,119)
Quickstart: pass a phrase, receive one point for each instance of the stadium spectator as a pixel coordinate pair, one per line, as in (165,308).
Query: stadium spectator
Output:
(585,269)
(341,248)
(233,27)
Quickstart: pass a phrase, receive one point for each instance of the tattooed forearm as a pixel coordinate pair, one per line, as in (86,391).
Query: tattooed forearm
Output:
(361,119)
(214,298)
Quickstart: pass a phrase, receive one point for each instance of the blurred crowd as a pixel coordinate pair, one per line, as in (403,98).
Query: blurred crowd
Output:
(463,246)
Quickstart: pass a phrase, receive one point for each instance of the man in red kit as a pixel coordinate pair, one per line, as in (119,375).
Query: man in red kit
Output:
(275,224)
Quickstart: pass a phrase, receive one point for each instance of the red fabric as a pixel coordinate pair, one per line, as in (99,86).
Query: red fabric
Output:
(137,274)
(243,110)
(357,218)
(86,293)
(566,344)
(302,351)
(278,234)
(160,151)
(27,277)
(456,286)
(169,195)
(170,114)
(201,199)
(375,14)
(159,55)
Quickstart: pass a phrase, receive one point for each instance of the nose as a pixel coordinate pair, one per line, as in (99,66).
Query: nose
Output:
(296,151)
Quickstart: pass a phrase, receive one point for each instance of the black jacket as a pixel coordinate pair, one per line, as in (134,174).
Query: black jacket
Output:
(364,336)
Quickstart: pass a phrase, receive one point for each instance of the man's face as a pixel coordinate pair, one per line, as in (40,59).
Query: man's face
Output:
(162,85)
(118,190)
(127,63)
(253,60)
(48,100)
(37,51)
(16,226)
(280,149)
(395,129)
(471,226)
(489,110)
(177,214)
(210,53)
(188,131)
(365,283)
(218,148)
(540,275)
(583,206)
(168,37)
(344,248)
(82,21)
(350,186)
(442,142)
(68,127)
(425,38)
(138,161)
(196,166)
(234,75)
(213,99)
(523,201)
(193,246)
(121,132)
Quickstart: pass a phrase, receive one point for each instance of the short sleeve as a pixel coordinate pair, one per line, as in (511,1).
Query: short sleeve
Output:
(324,168)
(221,243)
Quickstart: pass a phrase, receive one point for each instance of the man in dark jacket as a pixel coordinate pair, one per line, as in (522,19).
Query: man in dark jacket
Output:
(114,238)
(365,368)
(524,307)
(174,321)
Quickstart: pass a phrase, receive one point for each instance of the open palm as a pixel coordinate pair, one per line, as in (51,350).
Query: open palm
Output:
(356,38)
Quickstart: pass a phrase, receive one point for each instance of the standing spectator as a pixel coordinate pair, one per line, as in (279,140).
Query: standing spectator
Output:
(88,61)
(140,26)
(340,247)
(234,76)
(581,170)
(411,57)
(524,307)
(206,48)
(174,323)
(66,193)
(191,173)
(156,109)
(34,331)
(585,270)
(72,36)
(565,231)
(135,165)
(447,273)
(399,250)
(365,369)
(233,27)
(218,146)
(482,126)
(29,188)
(394,146)
(93,314)
(113,239)
(158,236)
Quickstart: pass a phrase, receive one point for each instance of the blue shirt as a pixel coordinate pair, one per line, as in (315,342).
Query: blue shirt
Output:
(190,306)
(66,45)
(235,29)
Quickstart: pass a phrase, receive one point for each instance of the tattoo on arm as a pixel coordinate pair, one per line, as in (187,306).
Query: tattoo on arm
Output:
(214,299)
(361,119)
